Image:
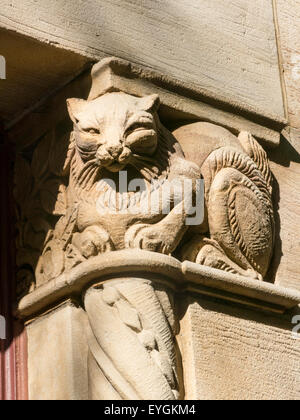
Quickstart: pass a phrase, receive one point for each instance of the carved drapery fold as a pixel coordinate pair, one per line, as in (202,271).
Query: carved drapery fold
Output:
(131,338)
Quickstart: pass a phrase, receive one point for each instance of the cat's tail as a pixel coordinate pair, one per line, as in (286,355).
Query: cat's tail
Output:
(240,209)
(258,155)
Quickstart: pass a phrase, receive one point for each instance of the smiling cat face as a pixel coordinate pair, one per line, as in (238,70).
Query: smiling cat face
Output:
(115,128)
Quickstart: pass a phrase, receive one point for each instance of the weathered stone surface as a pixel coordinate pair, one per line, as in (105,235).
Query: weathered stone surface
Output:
(34,71)
(238,189)
(122,181)
(230,353)
(210,61)
(285,165)
(179,104)
(133,321)
(184,276)
(132,348)
(57,355)
(76,220)
(227,48)
(285,161)
(288,12)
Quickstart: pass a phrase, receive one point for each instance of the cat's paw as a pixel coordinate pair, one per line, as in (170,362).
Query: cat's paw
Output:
(148,237)
(93,241)
(212,255)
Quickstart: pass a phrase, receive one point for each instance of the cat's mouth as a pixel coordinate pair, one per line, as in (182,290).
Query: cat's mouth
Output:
(113,162)
(115,166)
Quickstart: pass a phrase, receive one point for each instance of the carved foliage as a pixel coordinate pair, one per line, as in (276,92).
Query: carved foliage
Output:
(40,194)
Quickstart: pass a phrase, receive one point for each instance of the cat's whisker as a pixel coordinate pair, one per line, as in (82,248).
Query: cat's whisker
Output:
(145,158)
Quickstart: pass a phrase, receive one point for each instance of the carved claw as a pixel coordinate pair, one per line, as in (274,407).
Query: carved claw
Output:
(148,237)
(212,255)
(93,241)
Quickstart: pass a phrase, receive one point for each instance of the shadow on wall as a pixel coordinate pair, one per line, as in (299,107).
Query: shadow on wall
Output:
(283,156)
(40,176)
(238,353)
(2,67)
(39,193)
(282,322)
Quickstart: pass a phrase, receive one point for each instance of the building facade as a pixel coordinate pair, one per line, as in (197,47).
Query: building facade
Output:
(150,172)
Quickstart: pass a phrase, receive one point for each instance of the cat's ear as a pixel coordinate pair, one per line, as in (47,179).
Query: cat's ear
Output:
(75,106)
(150,103)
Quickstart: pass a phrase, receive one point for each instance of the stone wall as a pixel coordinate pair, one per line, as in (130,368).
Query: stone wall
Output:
(235,64)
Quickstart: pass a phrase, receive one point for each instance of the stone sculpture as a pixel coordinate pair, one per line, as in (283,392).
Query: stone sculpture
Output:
(112,133)
(116,133)
(238,233)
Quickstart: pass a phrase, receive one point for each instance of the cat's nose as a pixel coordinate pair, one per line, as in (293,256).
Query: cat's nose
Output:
(115,150)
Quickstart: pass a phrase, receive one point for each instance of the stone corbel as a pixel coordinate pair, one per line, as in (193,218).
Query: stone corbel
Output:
(180,277)
(130,323)
(183,102)
(107,272)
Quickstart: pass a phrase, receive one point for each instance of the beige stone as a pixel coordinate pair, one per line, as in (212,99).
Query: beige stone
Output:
(179,104)
(90,222)
(111,247)
(123,303)
(232,353)
(133,322)
(288,19)
(285,161)
(33,72)
(285,165)
(132,348)
(225,48)
(182,277)
(238,198)
(118,135)
(180,101)
(57,355)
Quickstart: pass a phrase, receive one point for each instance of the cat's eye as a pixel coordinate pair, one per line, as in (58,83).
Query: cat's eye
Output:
(139,126)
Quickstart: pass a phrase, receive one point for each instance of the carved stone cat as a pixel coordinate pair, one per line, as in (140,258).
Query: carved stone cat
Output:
(112,133)
(119,133)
